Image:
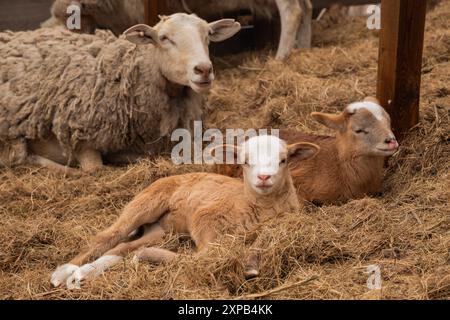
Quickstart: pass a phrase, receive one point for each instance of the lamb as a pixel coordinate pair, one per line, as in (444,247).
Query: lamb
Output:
(72,99)
(296,15)
(349,165)
(203,205)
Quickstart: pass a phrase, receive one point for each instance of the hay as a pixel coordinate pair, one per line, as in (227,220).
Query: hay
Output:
(46,219)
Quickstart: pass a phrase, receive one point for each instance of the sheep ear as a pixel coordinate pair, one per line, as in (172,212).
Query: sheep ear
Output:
(332,121)
(229,153)
(163,17)
(141,34)
(223,29)
(302,150)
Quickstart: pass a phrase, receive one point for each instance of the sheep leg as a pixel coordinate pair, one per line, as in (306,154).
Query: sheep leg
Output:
(304,34)
(135,214)
(153,234)
(146,208)
(114,256)
(290,15)
(251,262)
(47,163)
(155,255)
(90,160)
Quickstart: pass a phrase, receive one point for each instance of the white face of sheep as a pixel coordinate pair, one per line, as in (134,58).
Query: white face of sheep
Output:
(265,160)
(182,41)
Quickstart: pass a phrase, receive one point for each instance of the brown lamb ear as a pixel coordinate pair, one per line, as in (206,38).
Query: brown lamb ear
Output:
(141,34)
(333,121)
(302,150)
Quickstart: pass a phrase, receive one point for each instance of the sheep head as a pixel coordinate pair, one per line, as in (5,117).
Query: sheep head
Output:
(265,161)
(363,128)
(182,43)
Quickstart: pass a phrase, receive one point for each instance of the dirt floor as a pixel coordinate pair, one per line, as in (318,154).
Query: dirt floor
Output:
(319,253)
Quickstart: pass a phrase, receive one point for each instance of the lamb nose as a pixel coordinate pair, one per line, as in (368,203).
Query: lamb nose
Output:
(263,177)
(390,139)
(203,69)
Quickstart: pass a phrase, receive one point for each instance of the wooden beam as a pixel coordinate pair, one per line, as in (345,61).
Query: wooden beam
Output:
(400,61)
(153,8)
(320,4)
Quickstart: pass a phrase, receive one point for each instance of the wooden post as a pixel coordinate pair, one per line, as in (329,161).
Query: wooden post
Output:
(153,8)
(400,61)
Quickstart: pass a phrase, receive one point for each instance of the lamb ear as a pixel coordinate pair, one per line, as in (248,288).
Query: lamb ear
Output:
(141,34)
(223,29)
(302,150)
(332,121)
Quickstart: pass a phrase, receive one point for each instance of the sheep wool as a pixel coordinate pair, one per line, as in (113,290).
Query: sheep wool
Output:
(87,88)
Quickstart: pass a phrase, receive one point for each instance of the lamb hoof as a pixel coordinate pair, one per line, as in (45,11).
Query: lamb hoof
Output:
(251,273)
(61,273)
(74,281)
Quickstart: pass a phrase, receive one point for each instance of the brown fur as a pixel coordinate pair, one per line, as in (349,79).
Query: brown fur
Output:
(334,174)
(329,177)
(197,204)
(203,205)
(346,166)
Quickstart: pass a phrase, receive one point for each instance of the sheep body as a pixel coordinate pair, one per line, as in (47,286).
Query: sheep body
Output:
(130,12)
(97,89)
(203,205)
(328,178)
(97,14)
(348,165)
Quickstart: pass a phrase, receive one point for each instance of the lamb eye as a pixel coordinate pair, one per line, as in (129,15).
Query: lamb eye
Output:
(283,161)
(361,131)
(165,38)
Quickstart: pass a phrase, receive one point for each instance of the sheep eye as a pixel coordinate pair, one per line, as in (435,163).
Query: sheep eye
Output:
(165,39)
(283,161)
(361,131)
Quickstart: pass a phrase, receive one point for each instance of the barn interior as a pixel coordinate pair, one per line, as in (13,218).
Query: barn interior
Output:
(322,252)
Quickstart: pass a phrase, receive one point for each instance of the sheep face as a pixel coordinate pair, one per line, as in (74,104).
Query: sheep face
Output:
(364,129)
(265,161)
(182,42)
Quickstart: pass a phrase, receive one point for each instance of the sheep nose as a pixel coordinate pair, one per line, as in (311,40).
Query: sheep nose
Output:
(203,69)
(263,177)
(390,139)
(392,143)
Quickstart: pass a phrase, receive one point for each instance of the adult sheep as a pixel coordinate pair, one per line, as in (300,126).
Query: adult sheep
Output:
(295,15)
(69,98)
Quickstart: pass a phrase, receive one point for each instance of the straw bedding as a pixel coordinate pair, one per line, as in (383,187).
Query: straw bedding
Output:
(321,252)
